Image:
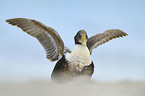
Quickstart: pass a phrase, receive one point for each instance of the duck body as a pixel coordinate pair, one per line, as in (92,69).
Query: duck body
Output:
(78,63)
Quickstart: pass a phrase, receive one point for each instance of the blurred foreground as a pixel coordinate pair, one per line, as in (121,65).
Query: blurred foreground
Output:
(81,88)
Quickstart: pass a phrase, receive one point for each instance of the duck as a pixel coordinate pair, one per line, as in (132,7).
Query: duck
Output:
(70,64)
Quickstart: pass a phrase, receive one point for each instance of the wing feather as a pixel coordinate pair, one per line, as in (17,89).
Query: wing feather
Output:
(47,36)
(99,39)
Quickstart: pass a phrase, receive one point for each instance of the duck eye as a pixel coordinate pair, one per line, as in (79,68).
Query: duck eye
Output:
(80,35)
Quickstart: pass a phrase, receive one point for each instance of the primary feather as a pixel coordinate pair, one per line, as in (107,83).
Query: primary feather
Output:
(98,39)
(47,36)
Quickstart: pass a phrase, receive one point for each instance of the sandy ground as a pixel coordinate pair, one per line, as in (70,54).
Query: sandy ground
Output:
(79,88)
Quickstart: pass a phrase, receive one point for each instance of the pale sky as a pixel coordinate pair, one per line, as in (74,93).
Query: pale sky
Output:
(23,58)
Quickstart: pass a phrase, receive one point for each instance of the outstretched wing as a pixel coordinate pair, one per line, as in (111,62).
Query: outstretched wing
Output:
(96,40)
(47,36)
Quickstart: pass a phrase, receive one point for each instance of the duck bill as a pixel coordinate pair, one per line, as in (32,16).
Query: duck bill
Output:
(84,40)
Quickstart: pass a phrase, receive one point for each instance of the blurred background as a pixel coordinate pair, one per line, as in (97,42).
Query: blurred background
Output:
(22,58)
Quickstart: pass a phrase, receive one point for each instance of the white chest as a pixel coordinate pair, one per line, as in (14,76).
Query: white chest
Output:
(79,57)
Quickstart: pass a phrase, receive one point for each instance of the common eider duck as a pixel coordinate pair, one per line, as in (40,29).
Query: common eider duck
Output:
(70,64)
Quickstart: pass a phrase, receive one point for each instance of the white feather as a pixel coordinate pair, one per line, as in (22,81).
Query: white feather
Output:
(79,57)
